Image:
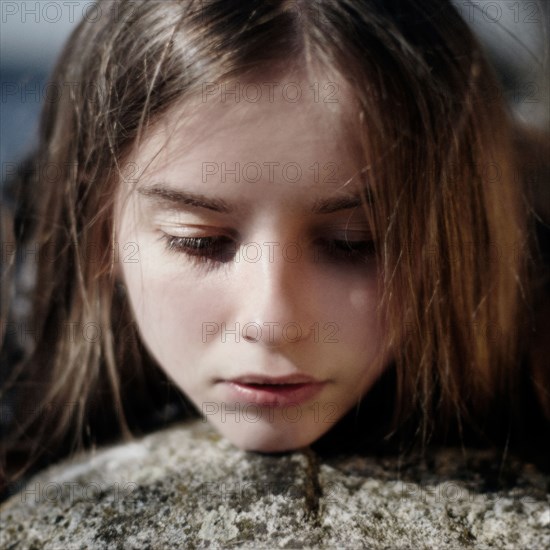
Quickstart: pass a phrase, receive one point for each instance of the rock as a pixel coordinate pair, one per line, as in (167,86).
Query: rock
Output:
(187,487)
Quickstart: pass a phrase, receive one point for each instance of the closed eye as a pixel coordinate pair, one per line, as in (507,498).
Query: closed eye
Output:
(345,250)
(202,249)
(222,249)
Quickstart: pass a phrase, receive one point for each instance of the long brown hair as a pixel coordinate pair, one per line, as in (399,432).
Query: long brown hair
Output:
(457,250)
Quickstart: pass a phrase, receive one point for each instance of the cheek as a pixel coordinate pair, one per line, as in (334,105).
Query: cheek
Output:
(172,308)
(353,308)
(362,309)
(169,299)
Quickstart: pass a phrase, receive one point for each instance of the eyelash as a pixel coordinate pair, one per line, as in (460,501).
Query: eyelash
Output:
(199,249)
(219,250)
(356,251)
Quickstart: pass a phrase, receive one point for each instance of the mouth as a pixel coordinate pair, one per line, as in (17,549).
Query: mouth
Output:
(270,391)
(255,379)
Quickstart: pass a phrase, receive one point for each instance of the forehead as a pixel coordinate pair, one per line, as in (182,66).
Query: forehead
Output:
(292,132)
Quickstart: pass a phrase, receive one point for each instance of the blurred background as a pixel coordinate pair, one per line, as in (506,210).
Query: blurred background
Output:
(32,33)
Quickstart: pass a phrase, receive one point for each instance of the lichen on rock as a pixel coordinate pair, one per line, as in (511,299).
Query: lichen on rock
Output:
(186,486)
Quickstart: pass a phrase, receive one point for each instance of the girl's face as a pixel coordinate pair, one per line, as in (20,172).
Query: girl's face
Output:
(248,262)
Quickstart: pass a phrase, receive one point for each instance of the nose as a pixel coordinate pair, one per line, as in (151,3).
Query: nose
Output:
(275,300)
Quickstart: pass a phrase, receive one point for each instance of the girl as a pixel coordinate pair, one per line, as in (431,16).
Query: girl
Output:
(302,221)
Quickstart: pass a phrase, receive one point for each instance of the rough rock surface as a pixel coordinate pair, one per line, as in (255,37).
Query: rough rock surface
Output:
(186,487)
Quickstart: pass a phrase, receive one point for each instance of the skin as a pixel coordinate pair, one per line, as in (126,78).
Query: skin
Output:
(185,308)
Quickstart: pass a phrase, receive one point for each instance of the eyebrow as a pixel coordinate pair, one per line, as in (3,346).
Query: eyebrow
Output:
(165,195)
(180,199)
(328,206)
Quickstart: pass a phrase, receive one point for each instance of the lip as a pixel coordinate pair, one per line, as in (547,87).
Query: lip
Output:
(262,379)
(274,391)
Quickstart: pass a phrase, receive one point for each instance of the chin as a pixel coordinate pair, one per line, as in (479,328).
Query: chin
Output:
(269,439)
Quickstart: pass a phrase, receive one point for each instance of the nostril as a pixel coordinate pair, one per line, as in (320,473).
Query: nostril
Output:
(251,332)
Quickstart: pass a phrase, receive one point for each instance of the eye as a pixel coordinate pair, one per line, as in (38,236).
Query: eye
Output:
(344,250)
(203,249)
